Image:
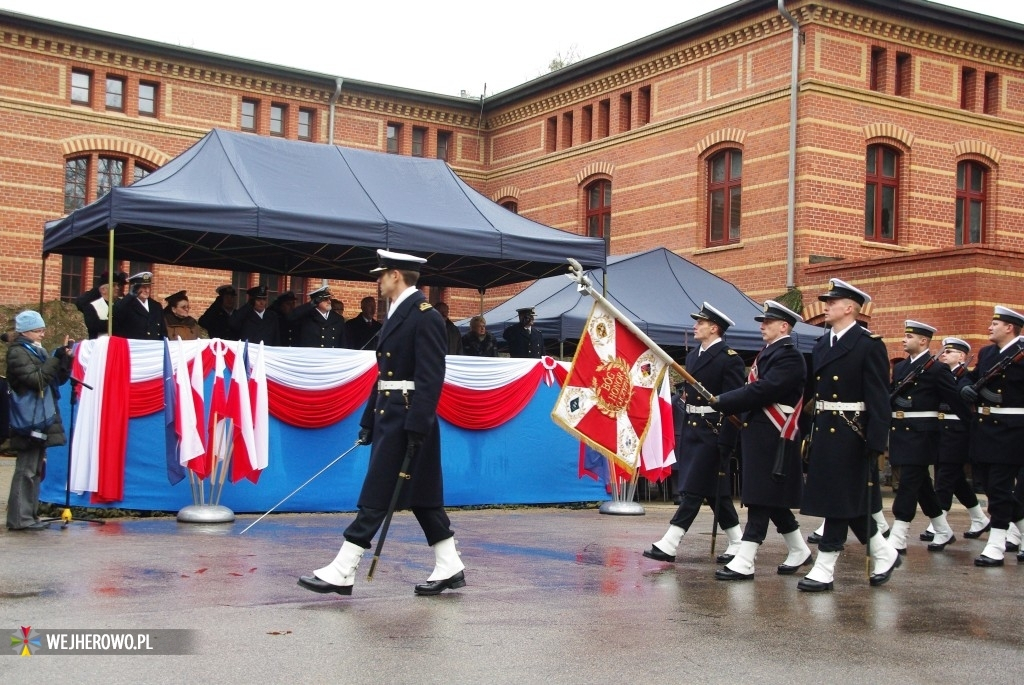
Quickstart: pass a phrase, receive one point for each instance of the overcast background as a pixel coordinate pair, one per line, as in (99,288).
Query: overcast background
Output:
(442,47)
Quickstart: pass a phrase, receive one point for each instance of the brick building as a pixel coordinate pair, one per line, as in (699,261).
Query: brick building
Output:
(909,145)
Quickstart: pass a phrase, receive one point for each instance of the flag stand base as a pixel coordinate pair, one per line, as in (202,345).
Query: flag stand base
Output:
(617,508)
(206,513)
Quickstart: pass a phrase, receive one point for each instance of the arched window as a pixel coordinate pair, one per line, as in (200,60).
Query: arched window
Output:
(725,191)
(599,211)
(971,182)
(511,205)
(881,193)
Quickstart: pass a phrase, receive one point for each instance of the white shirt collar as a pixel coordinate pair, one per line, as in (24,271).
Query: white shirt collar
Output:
(400,299)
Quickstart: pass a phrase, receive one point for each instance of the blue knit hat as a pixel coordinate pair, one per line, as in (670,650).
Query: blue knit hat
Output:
(28,320)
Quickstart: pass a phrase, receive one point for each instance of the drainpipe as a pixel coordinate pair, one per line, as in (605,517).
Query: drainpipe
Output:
(334,100)
(793,87)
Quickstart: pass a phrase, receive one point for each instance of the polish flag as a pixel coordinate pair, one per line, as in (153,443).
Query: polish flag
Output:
(190,441)
(239,408)
(220,423)
(260,413)
(658,451)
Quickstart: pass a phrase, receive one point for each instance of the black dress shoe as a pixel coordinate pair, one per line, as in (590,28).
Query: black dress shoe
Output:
(436,587)
(322,586)
(808,585)
(657,554)
(728,574)
(1020,557)
(883,578)
(1012,547)
(725,558)
(987,562)
(902,552)
(886,533)
(939,546)
(926,536)
(974,534)
(814,538)
(785,570)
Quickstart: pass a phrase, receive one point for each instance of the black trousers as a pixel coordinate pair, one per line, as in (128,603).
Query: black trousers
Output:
(434,521)
(949,481)
(1003,505)
(834,537)
(758,517)
(915,486)
(690,507)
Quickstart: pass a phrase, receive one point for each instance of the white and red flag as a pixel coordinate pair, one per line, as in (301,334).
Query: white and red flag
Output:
(659,448)
(258,393)
(239,409)
(608,398)
(190,439)
(218,441)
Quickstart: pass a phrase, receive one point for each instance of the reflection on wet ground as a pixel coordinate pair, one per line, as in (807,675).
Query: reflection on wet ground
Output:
(555,594)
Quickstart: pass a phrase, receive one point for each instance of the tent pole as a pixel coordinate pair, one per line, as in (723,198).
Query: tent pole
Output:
(42,280)
(481,291)
(110,282)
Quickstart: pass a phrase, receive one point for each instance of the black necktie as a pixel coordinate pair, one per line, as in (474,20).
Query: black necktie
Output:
(834,338)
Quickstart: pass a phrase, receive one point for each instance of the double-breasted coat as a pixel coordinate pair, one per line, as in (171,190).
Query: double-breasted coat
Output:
(856,369)
(997,437)
(246,324)
(411,347)
(524,343)
(914,440)
(781,374)
(719,370)
(137,320)
(313,329)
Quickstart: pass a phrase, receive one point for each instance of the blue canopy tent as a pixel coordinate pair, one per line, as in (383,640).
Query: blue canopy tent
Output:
(242,202)
(657,290)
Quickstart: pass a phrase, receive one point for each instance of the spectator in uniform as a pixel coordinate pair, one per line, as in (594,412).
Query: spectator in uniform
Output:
(523,339)
(254,321)
(177,321)
(316,322)
(136,315)
(360,331)
(478,342)
(217,317)
(283,306)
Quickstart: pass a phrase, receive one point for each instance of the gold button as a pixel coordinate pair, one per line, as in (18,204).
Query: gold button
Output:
(387,354)
(378,354)
(387,393)
(817,378)
(391,373)
(745,424)
(830,430)
(835,378)
(382,412)
(835,396)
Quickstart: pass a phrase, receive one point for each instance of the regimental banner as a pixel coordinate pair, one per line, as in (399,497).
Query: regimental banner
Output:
(608,397)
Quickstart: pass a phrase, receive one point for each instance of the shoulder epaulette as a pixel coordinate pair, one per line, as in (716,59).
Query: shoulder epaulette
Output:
(730,351)
(424,306)
(876,336)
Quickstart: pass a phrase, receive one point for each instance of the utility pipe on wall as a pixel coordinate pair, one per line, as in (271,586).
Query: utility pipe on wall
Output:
(791,200)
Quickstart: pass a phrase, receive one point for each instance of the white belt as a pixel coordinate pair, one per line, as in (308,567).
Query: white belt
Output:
(985,411)
(948,417)
(915,414)
(694,409)
(396,385)
(821,405)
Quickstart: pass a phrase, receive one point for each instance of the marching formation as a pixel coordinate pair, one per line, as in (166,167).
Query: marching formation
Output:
(929,413)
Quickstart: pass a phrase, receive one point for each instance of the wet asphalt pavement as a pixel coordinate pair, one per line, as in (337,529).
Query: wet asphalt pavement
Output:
(553,595)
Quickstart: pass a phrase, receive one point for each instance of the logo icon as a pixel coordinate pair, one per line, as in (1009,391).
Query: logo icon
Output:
(25,641)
